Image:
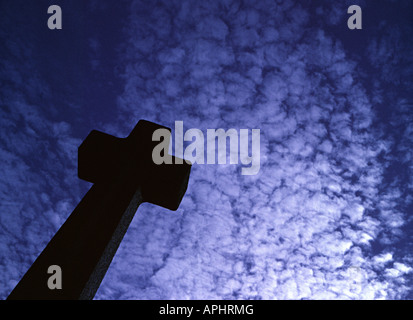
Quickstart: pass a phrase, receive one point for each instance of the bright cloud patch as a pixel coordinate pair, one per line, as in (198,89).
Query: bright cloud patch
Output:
(304,227)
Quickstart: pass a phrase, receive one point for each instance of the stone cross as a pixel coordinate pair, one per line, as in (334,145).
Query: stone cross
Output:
(124,176)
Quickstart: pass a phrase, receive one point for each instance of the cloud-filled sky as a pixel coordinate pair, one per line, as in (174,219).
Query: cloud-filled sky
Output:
(328,216)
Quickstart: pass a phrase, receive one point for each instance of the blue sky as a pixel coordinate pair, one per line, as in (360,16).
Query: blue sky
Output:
(328,216)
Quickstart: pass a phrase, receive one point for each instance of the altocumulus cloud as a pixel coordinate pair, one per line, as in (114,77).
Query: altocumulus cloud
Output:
(323,219)
(327,216)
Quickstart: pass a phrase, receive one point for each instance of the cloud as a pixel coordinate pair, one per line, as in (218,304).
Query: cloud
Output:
(326,217)
(306,223)
(38,155)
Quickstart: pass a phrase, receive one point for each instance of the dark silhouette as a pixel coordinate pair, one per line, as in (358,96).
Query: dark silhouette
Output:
(124,176)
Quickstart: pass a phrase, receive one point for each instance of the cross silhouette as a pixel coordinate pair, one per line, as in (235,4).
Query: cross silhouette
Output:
(124,176)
